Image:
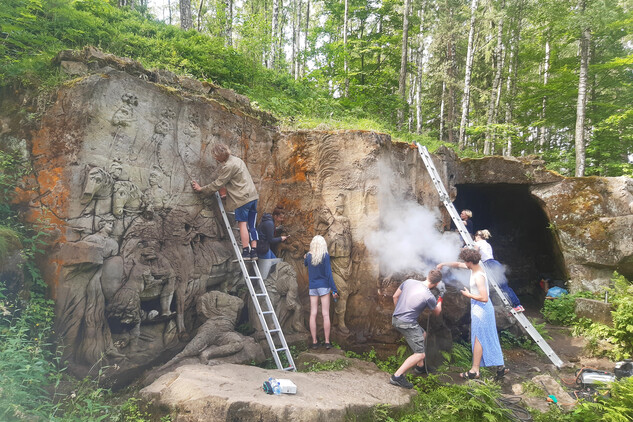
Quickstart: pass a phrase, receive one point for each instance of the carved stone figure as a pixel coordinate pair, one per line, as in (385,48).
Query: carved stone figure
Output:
(153,276)
(281,284)
(124,115)
(97,193)
(178,235)
(217,337)
(156,197)
(338,235)
(92,274)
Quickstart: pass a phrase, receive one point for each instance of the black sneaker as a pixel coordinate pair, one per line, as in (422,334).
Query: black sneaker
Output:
(419,370)
(246,254)
(253,255)
(314,346)
(400,381)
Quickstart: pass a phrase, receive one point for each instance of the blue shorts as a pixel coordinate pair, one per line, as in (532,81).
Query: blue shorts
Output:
(321,291)
(248,213)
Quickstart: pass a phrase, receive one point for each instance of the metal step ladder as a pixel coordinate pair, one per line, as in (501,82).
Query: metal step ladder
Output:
(461,228)
(261,300)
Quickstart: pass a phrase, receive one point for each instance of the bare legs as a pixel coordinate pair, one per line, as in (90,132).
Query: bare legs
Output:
(478,352)
(409,363)
(244,237)
(325,311)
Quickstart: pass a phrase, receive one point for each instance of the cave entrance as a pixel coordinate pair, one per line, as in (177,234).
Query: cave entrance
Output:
(521,239)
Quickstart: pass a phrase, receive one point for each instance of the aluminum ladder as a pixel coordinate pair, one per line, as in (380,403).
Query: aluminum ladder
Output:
(461,228)
(261,300)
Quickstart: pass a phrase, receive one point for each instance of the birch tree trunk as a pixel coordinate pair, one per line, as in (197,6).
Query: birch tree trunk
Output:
(581,104)
(293,54)
(297,64)
(305,47)
(452,95)
(469,69)
(274,31)
(229,21)
(542,142)
(420,62)
(512,74)
(496,83)
(186,21)
(345,64)
(402,81)
(442,111)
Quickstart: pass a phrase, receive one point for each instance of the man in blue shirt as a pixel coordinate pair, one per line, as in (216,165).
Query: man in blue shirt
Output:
(411,298)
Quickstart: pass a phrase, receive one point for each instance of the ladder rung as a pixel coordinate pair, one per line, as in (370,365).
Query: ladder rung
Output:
(254,277)
(260,294)
(275,330)
(280,349)
(267,312)
(290,368)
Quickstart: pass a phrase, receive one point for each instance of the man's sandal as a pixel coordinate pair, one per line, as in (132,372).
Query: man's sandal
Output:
(469,375)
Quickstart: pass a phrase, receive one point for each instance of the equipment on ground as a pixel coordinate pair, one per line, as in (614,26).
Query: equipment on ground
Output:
(261,300)
(624,369)
(588,377)
(444,197)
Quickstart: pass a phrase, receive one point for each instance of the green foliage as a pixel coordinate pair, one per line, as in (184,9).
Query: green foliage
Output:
(615,407)
(614,342)
(333,365)
(391,364)
(26,370)
(561,310)
(510,341)
(460,356)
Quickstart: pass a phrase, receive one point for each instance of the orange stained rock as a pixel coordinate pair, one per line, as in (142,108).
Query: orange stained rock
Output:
(54,192)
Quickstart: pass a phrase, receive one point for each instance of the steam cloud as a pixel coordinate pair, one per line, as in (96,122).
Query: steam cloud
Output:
(408,238)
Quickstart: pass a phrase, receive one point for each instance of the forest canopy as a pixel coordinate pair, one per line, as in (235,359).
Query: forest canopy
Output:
(547,77)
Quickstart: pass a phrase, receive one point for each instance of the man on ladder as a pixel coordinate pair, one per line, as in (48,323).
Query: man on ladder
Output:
(241,196)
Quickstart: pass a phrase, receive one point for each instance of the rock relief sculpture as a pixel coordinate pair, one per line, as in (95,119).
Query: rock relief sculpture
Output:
(216,337)
(281,284)
(336,230)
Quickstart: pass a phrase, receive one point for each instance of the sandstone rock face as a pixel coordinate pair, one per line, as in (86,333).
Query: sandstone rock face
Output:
(234,392)
(133,248)
(593,221)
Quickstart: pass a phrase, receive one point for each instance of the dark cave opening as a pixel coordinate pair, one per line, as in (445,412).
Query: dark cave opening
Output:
(521,239)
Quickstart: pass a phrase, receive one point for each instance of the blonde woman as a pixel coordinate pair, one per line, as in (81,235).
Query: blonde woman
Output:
(321,284)
(497,272)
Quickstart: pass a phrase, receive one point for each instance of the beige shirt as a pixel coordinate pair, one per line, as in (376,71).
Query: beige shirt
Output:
(233,175)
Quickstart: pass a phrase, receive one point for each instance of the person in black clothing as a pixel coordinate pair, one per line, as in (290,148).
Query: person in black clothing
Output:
(268,242)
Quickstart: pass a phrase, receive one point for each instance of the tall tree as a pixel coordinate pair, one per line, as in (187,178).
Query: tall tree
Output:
(468,73)
(186,22)
(402,81)
(543,129)
(581,104)
(272,63)
(496,85)
(345,53)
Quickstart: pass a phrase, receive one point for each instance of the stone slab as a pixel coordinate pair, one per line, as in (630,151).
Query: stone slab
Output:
(234,392)
(595,310)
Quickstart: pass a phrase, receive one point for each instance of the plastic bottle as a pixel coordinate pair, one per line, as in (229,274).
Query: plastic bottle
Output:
(277,388)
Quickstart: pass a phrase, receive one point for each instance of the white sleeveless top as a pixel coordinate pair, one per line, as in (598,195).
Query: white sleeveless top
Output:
(473,284)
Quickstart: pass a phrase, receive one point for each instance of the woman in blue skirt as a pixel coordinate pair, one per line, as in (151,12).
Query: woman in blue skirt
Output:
(483,326)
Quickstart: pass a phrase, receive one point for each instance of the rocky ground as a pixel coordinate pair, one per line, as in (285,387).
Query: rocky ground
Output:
(233,392)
